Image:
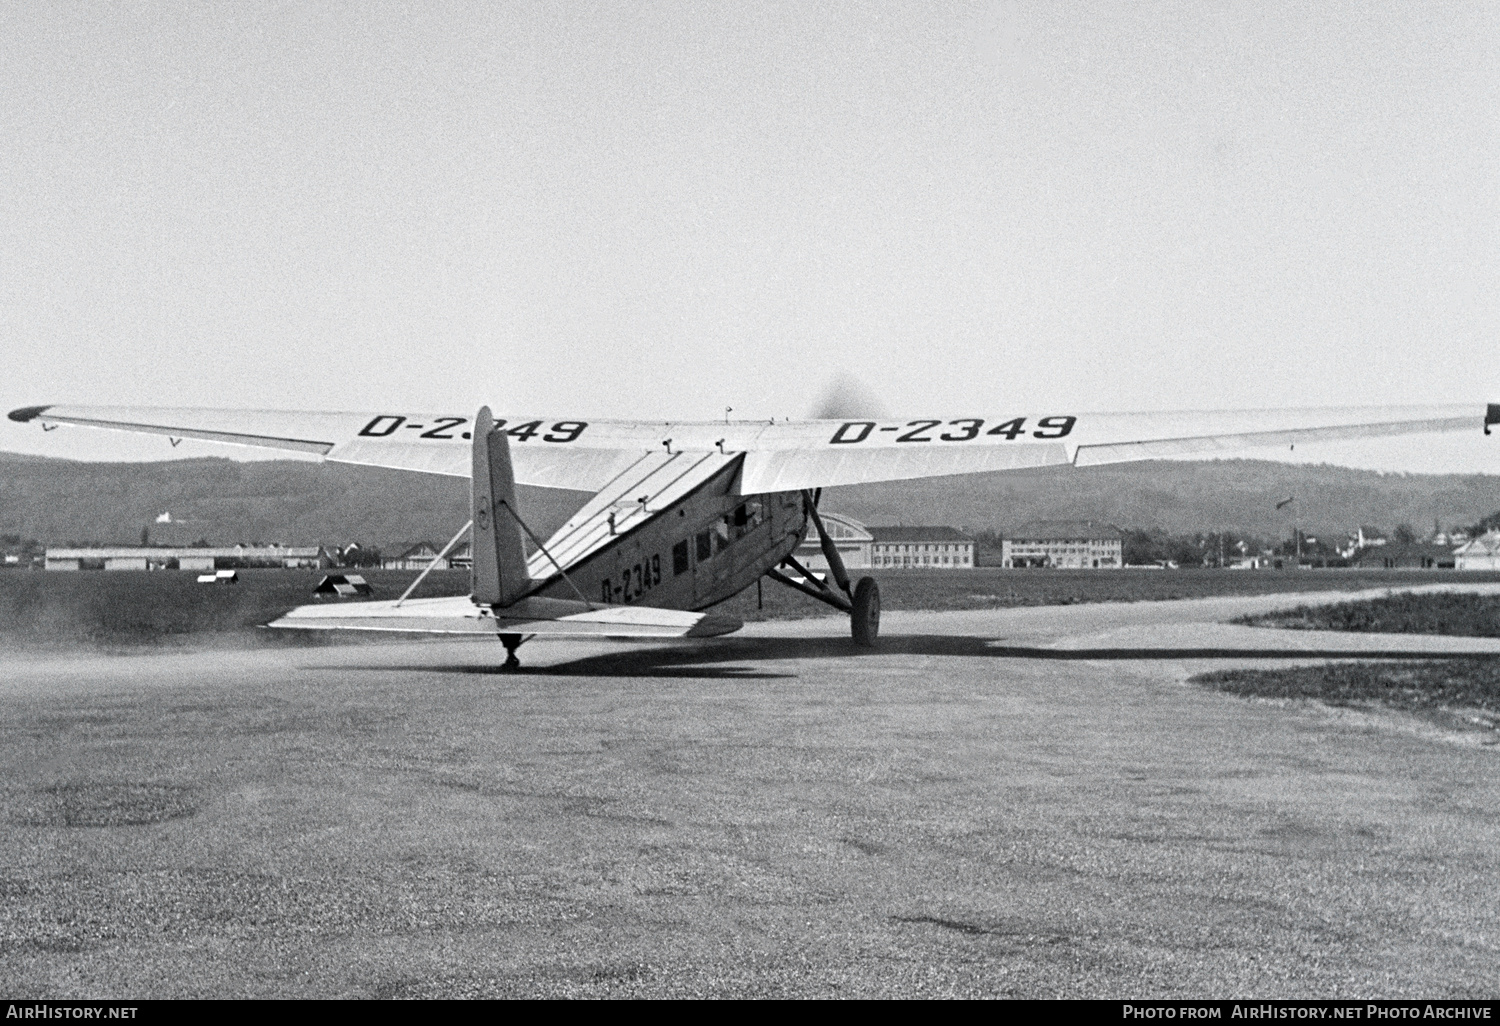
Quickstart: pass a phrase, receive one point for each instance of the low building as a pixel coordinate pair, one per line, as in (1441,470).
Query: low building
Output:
(1483,553)
(1404,556)
(1065,544)
(887,548)
(145,557)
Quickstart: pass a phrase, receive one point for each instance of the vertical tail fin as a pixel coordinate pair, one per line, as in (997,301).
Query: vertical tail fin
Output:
(499,569)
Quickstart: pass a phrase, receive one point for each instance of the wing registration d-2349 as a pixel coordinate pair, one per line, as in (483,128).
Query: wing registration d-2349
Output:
(686,514)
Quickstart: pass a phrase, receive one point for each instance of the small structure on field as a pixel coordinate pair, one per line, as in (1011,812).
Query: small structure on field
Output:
(343,586)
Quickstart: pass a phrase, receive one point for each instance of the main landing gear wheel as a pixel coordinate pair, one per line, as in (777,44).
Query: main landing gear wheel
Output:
(511,643)
(864,619)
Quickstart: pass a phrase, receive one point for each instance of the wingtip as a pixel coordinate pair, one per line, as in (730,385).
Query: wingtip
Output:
(26,413)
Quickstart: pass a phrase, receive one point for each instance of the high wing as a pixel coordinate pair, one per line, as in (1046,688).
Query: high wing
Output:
(459,614)
(783,455)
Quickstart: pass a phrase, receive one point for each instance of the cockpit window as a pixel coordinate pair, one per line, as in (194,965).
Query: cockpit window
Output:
(730,528)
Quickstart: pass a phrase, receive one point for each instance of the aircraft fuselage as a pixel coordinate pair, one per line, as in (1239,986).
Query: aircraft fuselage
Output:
(698,551)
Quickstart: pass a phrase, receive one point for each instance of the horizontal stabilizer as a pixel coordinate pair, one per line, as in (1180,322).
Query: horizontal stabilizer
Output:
(541,616)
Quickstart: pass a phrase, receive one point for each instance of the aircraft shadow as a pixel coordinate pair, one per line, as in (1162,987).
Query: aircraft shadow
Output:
(716,661)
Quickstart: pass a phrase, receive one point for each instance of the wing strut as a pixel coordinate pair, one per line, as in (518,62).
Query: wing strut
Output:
(543,548)
(428,569)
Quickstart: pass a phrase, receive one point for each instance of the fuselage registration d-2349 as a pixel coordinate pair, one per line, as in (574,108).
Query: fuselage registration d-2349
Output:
(684,515)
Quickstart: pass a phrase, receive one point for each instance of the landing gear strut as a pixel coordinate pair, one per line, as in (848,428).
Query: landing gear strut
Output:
(511,643)
(862,602)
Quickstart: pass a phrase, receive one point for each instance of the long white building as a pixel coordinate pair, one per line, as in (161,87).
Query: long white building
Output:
(888,548)
(145,557)
(1066,544)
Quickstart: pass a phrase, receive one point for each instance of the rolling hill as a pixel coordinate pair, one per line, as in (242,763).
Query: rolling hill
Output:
(1183,498)
(59,501)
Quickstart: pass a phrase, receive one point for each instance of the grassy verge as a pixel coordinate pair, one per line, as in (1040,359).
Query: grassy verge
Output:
(1447,685)
(1460,615)
(133,609)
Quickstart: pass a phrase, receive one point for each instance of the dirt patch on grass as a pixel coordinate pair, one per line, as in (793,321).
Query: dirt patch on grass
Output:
(123,611)
(105,804)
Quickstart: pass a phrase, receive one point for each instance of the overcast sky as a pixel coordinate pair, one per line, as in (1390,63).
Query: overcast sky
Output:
(660,210)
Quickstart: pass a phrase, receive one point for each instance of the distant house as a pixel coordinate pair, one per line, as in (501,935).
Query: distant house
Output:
(1363,539)
(1398,556)
(892,548)
(1069,544)
(1483,553)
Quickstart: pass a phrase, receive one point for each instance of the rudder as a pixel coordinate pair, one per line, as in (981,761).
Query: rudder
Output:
(499,567)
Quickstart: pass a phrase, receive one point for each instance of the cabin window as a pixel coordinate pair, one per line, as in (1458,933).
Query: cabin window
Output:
(680,558)
(705,542)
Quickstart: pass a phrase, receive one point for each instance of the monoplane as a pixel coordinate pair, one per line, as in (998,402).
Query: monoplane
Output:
(686,514)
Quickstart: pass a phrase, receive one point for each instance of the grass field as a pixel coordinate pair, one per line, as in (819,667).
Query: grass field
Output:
(130,609)
(1459,615)
(1466,690)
